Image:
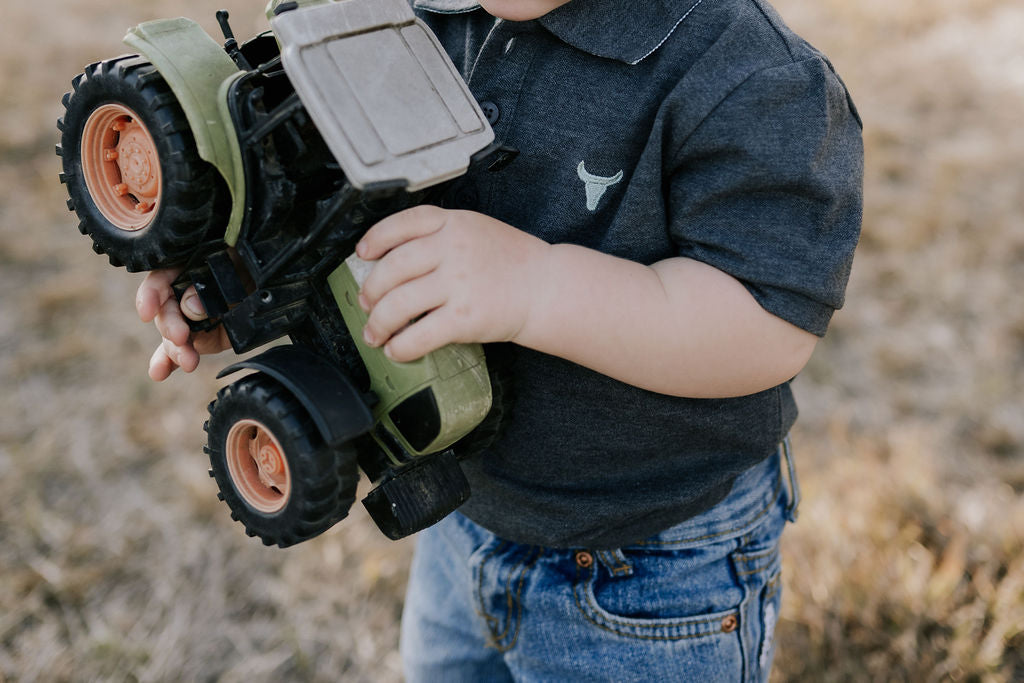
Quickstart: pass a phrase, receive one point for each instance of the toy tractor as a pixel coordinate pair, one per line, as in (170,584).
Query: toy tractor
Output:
(254,168)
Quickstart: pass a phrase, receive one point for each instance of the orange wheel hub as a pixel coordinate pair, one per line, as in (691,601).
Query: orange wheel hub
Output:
(121,167)
(258,466)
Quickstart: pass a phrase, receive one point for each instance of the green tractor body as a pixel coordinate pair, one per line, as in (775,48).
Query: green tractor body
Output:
(254,169)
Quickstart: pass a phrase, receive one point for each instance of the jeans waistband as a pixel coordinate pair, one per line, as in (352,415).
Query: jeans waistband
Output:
(753,494)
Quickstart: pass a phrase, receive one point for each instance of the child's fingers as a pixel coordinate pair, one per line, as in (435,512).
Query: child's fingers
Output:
(169,356)
(399,228)
(405,262)
(154,292)
(171,323)
(160,365)
(185,356)
(192,306)
(427,334)
(402,304)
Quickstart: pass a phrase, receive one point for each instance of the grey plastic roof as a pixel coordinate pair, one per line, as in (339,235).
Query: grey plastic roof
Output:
(381,90)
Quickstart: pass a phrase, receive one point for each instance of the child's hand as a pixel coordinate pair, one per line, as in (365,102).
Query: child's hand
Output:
(180,348)
(461,276)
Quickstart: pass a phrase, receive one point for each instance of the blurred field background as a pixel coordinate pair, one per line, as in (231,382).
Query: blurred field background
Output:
(118,563)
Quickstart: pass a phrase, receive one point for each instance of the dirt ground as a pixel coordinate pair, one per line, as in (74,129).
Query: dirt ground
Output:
(117,562)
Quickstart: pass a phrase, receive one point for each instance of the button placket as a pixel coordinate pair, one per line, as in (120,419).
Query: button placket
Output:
(498,72)
(497,81)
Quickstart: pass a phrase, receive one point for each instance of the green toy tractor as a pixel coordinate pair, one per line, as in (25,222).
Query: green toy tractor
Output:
(255,168)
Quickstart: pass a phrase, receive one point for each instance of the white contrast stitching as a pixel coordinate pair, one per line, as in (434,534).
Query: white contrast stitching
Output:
(668,34)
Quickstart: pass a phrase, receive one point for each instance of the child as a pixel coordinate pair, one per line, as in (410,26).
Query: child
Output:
(663,255)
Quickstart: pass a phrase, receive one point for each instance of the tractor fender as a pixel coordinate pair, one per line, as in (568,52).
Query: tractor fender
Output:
(198,72)
(339,411)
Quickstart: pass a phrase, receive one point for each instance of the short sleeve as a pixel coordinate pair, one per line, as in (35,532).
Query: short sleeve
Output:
(769,189)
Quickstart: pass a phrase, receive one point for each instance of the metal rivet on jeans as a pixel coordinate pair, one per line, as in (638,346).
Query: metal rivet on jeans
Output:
(730,623)
(584,559)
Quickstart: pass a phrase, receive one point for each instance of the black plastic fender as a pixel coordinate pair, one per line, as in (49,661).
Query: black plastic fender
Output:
(339,411)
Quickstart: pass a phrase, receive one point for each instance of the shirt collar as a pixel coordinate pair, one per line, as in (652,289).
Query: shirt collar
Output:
(446,6)
(625,31)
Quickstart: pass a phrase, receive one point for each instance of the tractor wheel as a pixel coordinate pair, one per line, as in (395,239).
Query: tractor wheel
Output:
(273,469)
(132,169)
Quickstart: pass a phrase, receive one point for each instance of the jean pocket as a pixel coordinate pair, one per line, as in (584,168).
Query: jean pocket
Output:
(716,605)
(668,595)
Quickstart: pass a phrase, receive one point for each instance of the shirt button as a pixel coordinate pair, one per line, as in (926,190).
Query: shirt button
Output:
(491,111)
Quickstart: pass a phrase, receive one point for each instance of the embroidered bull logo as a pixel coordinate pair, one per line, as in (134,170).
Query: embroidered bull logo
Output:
(596,185)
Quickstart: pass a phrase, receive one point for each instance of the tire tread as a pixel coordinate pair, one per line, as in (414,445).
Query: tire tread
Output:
(323,481)
(195,202)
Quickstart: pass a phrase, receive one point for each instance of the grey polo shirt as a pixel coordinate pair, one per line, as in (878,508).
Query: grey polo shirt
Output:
(648,130)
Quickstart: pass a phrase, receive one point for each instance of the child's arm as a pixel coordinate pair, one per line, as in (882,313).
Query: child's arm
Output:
(677,327)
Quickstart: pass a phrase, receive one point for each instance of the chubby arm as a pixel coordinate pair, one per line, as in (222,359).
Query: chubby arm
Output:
(677,327)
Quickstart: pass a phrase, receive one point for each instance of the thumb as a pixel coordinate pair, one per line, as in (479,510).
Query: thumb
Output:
(192,306)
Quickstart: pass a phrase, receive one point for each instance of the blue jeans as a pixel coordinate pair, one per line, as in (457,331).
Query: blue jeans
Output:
(696,602)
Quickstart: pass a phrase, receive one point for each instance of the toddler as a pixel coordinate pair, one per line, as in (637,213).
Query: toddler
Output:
(656,264)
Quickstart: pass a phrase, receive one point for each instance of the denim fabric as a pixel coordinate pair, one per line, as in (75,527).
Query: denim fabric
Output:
(652,130)
(697,602)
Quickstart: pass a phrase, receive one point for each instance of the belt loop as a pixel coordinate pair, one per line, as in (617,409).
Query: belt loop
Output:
(615,562)
(792,510)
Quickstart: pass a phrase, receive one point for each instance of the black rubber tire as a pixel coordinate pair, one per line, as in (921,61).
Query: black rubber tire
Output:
(323,480)
(195,202)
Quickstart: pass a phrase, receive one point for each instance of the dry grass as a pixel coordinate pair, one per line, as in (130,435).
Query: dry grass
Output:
(118,563)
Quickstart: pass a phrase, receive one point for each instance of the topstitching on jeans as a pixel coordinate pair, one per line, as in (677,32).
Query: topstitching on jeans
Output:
(513,604)
(482,610)
(615,562)
(618,625)
(753,558)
